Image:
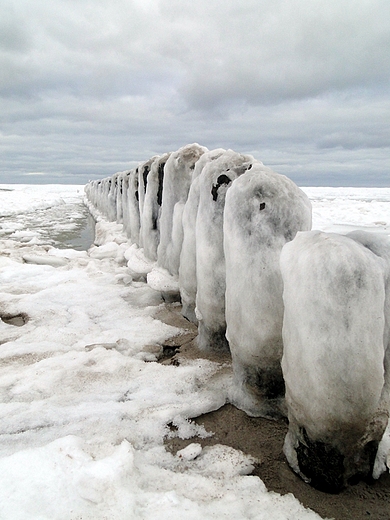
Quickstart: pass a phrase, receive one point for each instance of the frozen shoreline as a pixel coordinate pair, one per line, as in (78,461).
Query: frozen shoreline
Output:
(80,377)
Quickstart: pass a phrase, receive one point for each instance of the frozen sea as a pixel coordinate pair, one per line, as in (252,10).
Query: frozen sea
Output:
(84,404)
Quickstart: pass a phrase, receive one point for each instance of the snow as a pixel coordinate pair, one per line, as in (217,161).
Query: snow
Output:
(127,483)
(85,406)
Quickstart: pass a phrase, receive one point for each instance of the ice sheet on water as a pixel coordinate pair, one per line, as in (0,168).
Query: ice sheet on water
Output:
(45,215)
(341,210)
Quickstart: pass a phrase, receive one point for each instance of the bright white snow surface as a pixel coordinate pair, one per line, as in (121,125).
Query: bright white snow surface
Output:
(84,404)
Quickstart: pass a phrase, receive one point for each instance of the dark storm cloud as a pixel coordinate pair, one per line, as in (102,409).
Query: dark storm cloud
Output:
(91,87)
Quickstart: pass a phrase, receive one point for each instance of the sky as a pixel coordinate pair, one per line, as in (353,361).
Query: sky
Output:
(90,87)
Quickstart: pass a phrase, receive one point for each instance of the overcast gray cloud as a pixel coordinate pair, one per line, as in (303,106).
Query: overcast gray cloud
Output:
(90,87)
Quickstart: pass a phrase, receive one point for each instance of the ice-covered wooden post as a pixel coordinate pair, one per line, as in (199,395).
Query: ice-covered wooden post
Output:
(104,193)
(176,184)
(150,225)
(125,202)
(121,176)
(263,211)
(214,182)
(132,225)
(111,198)
(143,177)
(187,268)
(336,348)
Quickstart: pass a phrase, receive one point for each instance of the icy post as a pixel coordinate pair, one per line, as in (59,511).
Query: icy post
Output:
(176,184)
(336,354)
(187,268)
(118,202)
(215,180)
(132,227)
(143,178)
(150,216)
(124,200)
(111,198)
(263,211)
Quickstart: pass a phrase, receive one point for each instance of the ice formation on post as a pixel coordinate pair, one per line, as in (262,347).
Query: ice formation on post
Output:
(121,197)
(336,348)
(99,194)
(105,189)
(176,184)
(143,176)
(124,200)
(111,198)
(187,268)
(133,225)
(263,211)
(215,180)
(150,225)
(118,201)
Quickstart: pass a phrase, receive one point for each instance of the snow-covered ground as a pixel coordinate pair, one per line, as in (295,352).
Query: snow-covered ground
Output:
(85,406)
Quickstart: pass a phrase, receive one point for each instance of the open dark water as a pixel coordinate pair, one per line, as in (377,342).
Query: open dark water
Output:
(80,238)
(62,226)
